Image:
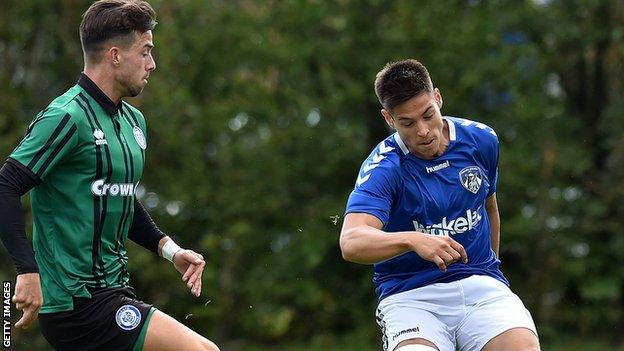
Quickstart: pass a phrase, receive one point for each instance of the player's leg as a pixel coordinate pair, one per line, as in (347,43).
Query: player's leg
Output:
(516,339)
(496,319)
(405,327)
(416,345)
(166,334)
(419,319)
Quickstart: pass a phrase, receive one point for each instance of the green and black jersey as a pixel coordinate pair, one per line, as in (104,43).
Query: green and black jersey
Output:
(87,154)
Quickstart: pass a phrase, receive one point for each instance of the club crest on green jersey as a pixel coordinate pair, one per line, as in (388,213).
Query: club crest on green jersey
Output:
(139,137)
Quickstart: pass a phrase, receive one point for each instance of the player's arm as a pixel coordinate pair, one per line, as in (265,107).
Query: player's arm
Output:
(491,206)
(143,230)
(50,138)
(145,233)
(363,241)
(16,181)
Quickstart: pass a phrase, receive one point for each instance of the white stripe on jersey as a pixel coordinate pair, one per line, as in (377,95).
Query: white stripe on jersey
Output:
(452,133)
(401,144)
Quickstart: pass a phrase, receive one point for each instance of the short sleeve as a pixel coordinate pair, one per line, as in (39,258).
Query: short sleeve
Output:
(375,191)
(49,139)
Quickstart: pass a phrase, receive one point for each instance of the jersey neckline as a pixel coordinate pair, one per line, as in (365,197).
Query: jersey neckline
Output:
(452,139)
(98,95)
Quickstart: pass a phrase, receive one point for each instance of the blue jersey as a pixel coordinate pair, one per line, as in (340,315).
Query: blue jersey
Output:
(442,196)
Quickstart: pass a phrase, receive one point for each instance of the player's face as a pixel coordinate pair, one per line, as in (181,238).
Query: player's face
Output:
(135,64)
(420,125)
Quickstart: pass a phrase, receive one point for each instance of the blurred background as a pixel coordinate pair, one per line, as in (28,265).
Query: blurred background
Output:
(260,113)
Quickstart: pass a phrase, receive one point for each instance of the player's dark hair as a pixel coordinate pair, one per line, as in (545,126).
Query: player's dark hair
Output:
(400,81)
(114,19)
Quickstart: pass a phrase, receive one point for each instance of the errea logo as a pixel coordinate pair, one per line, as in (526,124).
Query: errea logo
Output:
(99,137)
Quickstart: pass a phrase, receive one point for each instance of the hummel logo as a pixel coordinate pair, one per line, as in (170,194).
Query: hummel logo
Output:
(99,137)
(436,168)
(406,331)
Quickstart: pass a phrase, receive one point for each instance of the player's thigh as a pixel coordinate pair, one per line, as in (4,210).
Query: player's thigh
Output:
(166,334)
(417,345)
(493,310)
(404,319)
(516,339)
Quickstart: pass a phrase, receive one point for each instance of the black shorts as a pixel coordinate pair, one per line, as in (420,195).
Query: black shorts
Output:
(111,320)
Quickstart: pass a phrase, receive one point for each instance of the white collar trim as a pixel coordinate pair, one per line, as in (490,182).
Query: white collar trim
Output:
(401,144)
(452,136)
(452,133)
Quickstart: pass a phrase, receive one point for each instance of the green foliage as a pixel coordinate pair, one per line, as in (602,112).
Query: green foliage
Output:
(260,113)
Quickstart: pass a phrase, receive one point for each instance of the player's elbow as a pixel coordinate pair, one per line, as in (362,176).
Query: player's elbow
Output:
(210,346)
(348,246)
(347,253)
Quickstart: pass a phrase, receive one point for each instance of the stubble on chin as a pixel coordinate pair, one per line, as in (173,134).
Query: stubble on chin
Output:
(129,89)
(133,91)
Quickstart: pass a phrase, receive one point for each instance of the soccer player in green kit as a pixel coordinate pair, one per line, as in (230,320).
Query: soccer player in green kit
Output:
(83,157)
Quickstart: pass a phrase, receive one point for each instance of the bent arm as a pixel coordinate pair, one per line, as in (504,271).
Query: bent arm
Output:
(15,181)
(491,206)
(363,241)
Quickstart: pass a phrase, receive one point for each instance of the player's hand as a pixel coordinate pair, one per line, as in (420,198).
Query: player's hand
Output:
(191,265)
(441,250)
(28,298)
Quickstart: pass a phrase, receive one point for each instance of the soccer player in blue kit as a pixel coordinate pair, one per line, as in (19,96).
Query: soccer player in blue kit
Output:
(424,212)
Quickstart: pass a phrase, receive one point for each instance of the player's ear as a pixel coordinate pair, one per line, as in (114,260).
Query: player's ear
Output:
(113,56)
(438,97)
(387,117)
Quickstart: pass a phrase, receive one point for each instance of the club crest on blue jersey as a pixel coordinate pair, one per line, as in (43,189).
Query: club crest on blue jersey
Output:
(471,178)
(128,317)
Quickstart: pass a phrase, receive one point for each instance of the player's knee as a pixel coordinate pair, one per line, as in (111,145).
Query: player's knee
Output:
(526,344)
(533,345)
(415,347)
(526,347)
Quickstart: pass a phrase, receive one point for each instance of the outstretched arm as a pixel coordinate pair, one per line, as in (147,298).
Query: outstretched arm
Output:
(15,182)
(363,241)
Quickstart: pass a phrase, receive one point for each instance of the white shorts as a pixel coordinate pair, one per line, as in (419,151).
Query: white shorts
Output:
(462,315)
